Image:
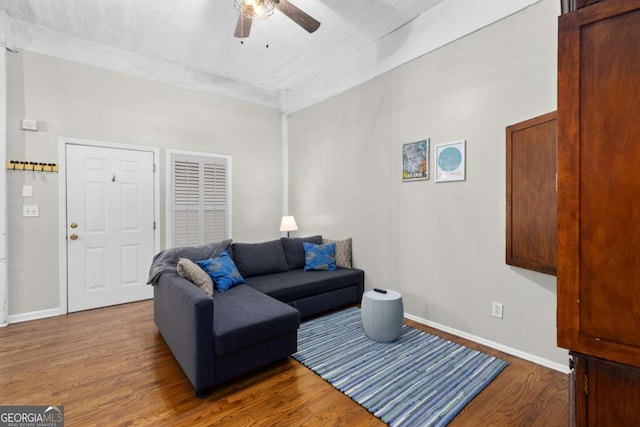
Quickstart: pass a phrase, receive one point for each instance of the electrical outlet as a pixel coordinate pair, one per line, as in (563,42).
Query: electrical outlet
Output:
(30,210)
(496,310)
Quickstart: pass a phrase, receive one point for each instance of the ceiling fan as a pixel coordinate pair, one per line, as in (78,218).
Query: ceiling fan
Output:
(262,9)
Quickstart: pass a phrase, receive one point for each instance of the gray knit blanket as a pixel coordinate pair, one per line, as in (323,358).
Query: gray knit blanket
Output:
(167,260)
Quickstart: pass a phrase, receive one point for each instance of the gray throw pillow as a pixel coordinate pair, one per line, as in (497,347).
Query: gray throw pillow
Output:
(343,252)
(196,275)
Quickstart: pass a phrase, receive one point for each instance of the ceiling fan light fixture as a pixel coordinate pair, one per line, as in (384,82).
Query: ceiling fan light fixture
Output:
(254,9)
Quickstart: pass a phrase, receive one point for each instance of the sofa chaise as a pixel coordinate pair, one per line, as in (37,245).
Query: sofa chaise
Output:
(219,337)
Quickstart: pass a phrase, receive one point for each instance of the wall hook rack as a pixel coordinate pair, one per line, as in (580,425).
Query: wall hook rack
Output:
(19,165)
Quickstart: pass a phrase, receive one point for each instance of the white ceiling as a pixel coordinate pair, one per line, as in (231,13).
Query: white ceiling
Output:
(190,43)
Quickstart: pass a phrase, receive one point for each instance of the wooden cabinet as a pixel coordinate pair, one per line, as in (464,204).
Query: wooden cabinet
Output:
(607,393)
(599,205)
(531,194)
(585,3)
(567,6)
(599,181)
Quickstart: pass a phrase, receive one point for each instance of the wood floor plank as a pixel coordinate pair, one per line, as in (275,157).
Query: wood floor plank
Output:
(111,367)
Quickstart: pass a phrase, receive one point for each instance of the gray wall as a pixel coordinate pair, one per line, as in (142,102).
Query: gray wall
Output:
(441,244)
(80,101)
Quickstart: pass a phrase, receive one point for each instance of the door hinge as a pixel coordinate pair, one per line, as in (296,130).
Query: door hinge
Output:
(586,384)
(154,168)
(154,225)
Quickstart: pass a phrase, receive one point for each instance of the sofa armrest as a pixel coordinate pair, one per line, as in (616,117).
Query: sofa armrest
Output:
(184,317)
(360,281)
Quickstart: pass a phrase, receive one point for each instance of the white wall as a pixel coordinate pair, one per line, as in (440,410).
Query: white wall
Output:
(442,245)
(80,101)
(4,284)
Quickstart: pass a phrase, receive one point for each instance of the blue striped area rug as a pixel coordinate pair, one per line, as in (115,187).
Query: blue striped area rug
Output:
(418,380)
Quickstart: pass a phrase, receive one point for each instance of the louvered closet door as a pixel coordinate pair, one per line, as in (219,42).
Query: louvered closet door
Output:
(199,199)
(186,202)
(215,201)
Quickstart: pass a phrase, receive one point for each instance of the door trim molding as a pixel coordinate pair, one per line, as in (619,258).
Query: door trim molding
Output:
(62,202)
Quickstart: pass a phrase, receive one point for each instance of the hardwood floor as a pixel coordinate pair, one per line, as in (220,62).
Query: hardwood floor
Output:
(111,367)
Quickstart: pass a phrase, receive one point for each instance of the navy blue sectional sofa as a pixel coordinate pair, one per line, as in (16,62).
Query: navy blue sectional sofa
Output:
(250,325)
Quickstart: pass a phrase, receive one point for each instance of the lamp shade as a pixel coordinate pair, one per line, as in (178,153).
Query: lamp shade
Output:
(288,223)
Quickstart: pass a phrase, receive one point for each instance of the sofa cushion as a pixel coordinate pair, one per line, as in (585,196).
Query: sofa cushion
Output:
(255,259)
(343,252)
(319,257)
(294,250)
(243,317)
(222,270)
(196,275)
(297,284)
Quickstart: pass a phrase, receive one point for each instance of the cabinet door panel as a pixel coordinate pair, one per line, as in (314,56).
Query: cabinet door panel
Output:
(599,181)
(606,393)
(531,194)
(610,180)
(616,393)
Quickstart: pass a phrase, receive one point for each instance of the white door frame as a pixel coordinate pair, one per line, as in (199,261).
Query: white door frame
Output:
(62,202)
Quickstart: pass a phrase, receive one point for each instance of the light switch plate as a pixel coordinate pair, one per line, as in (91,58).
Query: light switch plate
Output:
(28,124)
(27,191)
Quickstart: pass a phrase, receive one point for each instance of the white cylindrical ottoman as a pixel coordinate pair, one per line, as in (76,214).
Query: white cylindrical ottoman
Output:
(382,315)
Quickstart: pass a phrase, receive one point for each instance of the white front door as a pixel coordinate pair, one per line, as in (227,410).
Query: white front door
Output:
(110,225)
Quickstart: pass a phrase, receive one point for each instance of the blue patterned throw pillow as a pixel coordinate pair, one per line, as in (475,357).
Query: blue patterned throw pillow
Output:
(319,257)
(222,270)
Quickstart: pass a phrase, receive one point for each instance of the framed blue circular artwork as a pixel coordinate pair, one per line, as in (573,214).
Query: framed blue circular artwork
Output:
(450,162)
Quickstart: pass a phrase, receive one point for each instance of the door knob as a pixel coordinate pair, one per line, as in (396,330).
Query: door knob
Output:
(73,225)
(74,236)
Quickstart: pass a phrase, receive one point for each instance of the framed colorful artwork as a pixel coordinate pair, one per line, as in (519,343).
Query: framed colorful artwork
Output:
(415,161)
(451,162)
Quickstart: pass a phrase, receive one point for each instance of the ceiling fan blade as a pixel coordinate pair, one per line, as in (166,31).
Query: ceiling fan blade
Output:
(297,15)
(243,27)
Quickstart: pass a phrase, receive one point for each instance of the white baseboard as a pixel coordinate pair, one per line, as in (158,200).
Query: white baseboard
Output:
(512,351)
(34,315)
